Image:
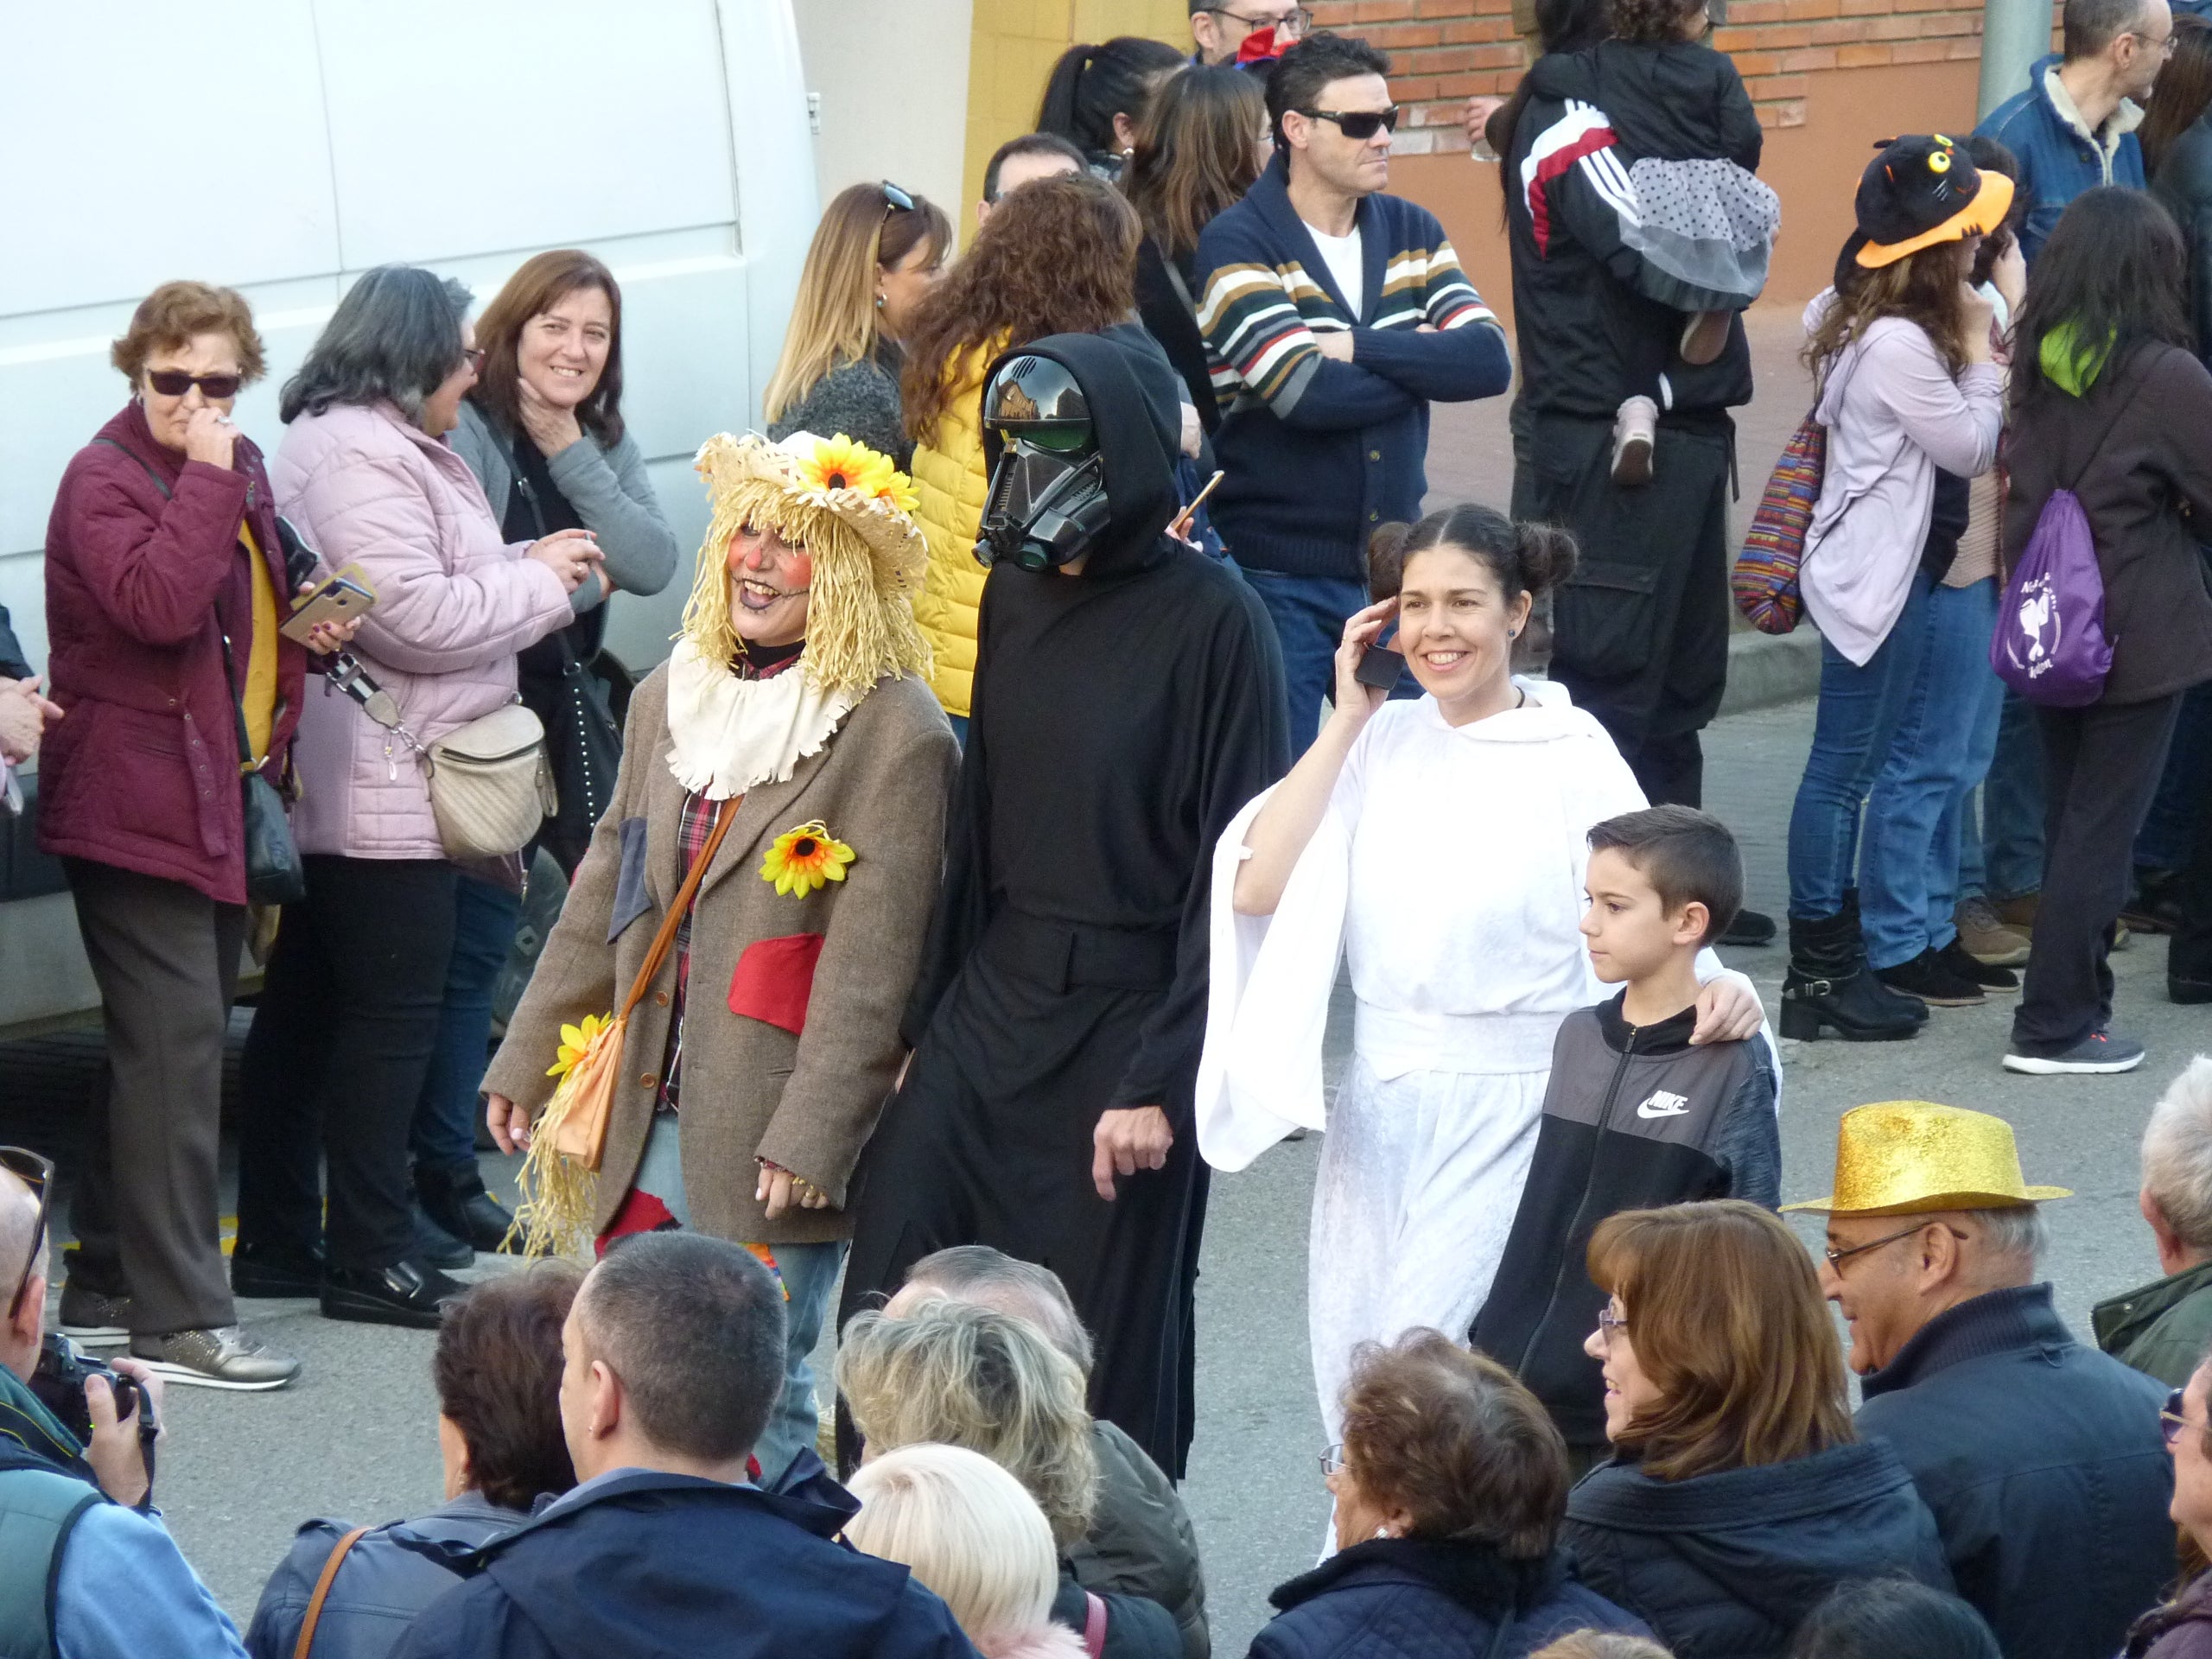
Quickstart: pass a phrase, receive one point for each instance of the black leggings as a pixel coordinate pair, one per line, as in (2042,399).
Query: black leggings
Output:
(340,1044)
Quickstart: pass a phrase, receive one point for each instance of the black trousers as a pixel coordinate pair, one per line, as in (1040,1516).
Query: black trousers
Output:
(147,1211)
(989,1142)
(1640,633)
(335,1062)
(2189,957)
(2100,768)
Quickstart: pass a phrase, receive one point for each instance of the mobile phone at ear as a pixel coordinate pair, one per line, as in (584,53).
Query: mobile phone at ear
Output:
(1381,668)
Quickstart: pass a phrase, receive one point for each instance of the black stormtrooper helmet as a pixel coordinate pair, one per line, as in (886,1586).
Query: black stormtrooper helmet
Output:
(1047,501)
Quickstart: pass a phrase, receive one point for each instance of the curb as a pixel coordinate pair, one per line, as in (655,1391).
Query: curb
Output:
(1765,669)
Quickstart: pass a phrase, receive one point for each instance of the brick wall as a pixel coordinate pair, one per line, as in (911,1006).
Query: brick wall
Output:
(1446,51)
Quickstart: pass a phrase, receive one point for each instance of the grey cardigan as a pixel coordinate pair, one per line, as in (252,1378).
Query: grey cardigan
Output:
(859,399)
(606,485)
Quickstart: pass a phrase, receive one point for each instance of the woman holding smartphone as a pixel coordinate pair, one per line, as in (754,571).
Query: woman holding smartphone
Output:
(1460,995)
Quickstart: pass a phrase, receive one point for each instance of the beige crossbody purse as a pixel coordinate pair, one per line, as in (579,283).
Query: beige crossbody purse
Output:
(491,783)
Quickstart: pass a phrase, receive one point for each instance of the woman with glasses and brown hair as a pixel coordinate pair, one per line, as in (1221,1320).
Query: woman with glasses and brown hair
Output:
(1449,1486)
(1738,1494)
(2181,1628)
(165,585)
(874,256)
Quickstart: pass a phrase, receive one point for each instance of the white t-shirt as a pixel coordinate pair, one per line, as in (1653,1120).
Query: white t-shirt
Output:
(1341,254)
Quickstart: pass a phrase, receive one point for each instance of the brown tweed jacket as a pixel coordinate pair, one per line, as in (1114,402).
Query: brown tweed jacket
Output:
(809,1100)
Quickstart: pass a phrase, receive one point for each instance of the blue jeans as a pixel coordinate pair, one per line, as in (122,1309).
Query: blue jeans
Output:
(1859,712)
(2011,866)
(809,1273)
(1310,612)
(1909,861)
(443,1131)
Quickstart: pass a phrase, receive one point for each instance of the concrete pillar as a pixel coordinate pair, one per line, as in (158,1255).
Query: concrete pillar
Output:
(2014,34)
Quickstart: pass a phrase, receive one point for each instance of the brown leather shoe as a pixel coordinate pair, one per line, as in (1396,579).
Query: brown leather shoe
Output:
(1987,940)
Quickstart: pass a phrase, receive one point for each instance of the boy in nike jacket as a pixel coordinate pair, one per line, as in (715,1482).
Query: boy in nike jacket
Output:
(1634,1114)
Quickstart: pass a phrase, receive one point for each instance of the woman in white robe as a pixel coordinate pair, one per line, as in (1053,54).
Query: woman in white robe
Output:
(1440,844)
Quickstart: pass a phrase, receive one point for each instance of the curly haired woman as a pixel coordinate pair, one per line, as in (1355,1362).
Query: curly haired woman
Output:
(1057,256)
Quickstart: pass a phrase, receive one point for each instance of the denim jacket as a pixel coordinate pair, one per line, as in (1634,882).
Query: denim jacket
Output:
(2059,156)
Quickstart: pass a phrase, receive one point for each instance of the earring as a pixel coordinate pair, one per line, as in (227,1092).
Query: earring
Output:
(878,301)
(1513,633)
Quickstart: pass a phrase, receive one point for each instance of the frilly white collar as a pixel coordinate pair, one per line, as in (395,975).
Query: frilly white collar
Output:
(728,735)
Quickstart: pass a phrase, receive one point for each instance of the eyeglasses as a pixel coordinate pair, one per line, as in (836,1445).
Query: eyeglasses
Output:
(174,383)
(2170,1420)
(2163,44)
(1359,124)
(1332,1459)
(1837,1258)
(475,356)
(1608,1323)
(36,1173)
(1294,22)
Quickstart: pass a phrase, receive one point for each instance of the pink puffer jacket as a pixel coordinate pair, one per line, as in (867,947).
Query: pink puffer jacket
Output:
(455,603)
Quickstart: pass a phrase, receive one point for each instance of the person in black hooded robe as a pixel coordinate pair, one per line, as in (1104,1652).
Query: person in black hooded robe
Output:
(1125,706)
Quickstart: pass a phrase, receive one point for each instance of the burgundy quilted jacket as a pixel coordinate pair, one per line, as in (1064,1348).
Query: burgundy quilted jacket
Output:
(143,771)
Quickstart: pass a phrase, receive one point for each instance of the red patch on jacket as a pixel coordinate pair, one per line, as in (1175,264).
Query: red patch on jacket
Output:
(773,980)
(641,1212)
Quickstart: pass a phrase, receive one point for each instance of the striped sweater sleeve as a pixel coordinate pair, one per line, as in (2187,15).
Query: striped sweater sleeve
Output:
(1465,358)
(1260,347)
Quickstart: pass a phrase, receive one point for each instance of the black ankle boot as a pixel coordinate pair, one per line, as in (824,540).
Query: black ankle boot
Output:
(1830,987)
(455,1199)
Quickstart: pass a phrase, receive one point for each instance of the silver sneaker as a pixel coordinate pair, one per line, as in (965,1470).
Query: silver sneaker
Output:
(227,1358)
(92,1321)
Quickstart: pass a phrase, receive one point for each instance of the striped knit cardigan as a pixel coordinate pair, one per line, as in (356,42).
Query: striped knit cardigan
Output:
(1318,453)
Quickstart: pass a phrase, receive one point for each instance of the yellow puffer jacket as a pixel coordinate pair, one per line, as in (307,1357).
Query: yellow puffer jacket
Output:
(949,489)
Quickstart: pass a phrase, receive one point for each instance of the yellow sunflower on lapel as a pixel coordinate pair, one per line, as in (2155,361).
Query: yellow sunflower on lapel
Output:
(801,859)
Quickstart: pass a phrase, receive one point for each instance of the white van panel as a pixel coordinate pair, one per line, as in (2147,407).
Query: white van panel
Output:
(571,121)
(282,147)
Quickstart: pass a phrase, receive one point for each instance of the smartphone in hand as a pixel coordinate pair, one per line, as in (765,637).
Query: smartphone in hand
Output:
(346,595)
(1381,668)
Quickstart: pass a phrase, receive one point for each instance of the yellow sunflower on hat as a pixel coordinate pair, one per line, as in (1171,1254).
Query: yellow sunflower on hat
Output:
(839,463)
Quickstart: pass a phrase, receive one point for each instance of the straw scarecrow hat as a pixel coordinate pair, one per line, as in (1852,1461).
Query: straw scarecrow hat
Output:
(852,513)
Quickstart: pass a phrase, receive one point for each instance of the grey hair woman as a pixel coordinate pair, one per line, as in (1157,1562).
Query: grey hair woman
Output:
(343,1037)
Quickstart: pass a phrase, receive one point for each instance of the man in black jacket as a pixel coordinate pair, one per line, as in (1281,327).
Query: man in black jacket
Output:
(2040,1458)
(1640,632)
(675,1350)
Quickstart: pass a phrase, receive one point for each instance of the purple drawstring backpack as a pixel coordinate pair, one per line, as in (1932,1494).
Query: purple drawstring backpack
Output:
(2050,645)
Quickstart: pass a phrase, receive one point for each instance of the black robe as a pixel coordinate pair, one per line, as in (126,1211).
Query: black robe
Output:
(1121,718)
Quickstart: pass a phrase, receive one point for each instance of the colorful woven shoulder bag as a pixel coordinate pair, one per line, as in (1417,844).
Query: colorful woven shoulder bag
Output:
(1765,577)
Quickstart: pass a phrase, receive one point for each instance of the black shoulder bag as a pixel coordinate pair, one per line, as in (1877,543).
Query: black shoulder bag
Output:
(273,874)
(582,740)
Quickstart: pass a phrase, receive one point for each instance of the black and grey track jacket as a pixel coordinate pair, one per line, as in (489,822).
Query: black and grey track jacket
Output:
(1634,1117)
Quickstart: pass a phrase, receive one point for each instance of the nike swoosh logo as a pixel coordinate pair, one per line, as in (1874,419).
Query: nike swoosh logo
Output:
(1648,1110)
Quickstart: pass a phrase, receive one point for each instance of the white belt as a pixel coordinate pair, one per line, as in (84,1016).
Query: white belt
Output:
(1394,1042)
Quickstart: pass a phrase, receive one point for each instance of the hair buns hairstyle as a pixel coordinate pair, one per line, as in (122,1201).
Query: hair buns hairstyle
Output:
(1530,559)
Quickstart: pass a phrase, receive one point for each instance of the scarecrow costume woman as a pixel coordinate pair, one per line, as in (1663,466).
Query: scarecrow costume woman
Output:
(753,1069)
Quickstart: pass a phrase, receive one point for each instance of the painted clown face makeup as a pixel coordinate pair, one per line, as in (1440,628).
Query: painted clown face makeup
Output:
(769,579)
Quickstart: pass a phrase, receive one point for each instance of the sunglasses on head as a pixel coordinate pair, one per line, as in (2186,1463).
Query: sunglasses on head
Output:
(1358,124)
(36,1173)
(174,383)
(895,201)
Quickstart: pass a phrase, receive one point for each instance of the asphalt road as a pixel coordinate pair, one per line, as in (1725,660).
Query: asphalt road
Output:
(355,1437)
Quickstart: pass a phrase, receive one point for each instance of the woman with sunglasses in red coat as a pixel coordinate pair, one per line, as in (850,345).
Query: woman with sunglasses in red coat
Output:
(165,585)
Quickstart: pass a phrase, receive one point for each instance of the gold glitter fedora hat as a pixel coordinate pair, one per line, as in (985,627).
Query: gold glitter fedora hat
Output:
(1911,1157)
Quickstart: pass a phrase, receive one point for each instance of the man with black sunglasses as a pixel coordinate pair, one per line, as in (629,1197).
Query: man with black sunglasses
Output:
(111,1584)
(1333,315)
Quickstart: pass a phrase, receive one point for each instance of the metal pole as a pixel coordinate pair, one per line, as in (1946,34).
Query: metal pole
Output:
(2014,34)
